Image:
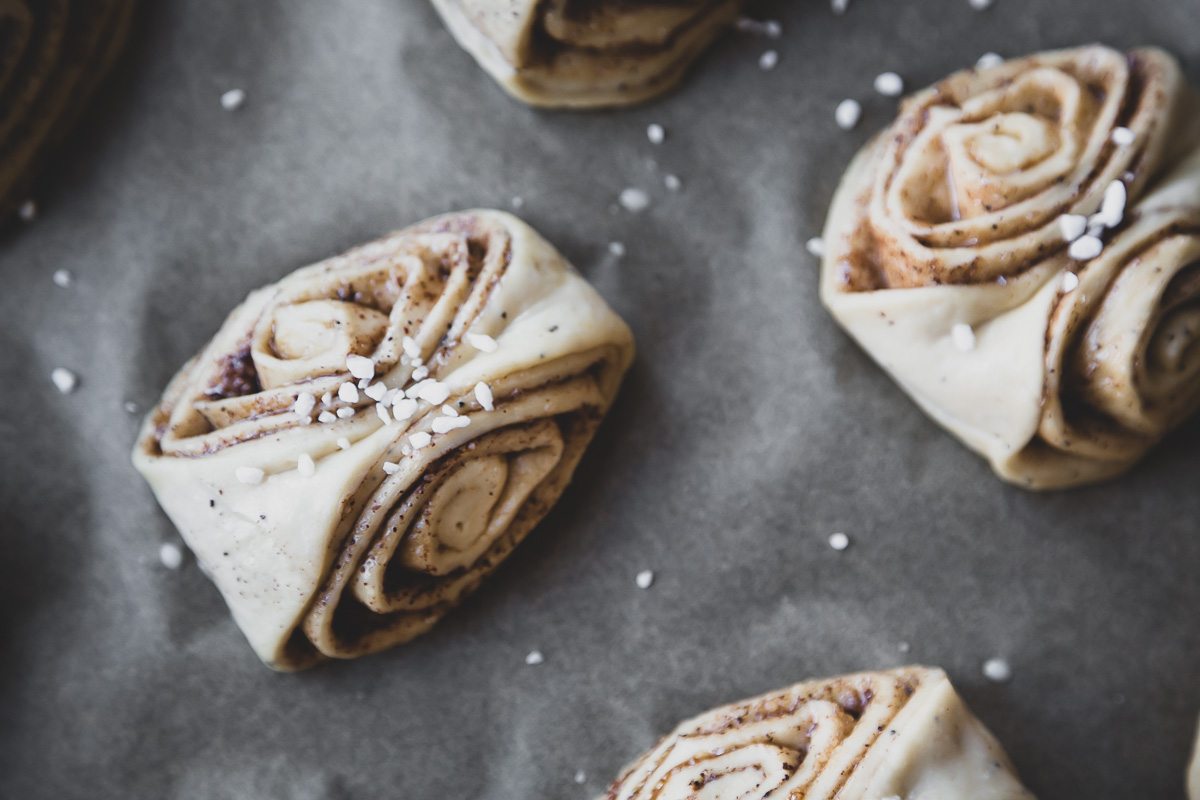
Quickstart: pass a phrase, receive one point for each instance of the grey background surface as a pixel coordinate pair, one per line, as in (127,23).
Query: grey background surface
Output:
(749,429)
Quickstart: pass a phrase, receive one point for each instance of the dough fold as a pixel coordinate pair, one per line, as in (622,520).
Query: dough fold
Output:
(903,733)
(586,53)
(489,363)
(53,54)
(948,259)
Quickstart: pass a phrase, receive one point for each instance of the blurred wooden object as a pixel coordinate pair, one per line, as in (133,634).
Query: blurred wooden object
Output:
(53,55)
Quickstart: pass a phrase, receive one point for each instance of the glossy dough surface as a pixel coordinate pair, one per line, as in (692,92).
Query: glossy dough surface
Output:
(414,495)
(874,735)
(586,53)
(53,54)
(1071,368)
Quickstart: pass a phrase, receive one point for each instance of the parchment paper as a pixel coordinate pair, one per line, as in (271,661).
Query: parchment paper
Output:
(749,430)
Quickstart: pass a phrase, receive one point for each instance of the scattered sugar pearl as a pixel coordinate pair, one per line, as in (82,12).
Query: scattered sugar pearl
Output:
(345,412)
(434,392)
(170,555)
(672,182)
(1072,226)
(904,647)
(1123,137)
(847,114)
(360,367)
(417,390)
(644,579)
(447,424)
(376,391)
(616,248)
(27,211)
(304,405)
(343,443)
(306,466)
(449,410)
(326,417)
(483,393)
(768,60)
(997,670)
(130,407)
(63,379)
(1085,248)
(420,373)
(634,200)
(381,411)
(403,408)
(815,246)
(411,348)
(580,776)
(980,5)
(61,278)
(1070,282)
(232,100)
(839,541)
(327,399)
(656,133)
(889,84)
(989,60)
(420,439)
(839,6)
(249,475)
(770,28)
(534,658)
(517,202)
(390,467)
(482,342)
(963,336)
(1112,209)
(348,393)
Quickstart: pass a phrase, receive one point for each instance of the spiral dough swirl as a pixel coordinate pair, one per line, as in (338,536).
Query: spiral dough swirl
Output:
(871,735)
(363,442)
(1020,249)
(586,53)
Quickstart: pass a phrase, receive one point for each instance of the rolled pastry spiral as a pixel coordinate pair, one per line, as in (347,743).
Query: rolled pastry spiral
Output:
(586,53)
(873,735)
(949,257)
(364,441)
(53,54)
